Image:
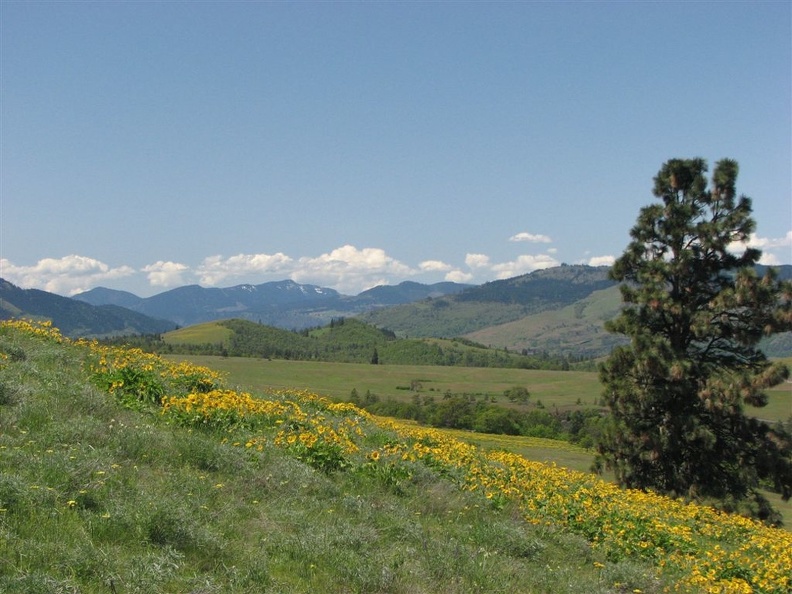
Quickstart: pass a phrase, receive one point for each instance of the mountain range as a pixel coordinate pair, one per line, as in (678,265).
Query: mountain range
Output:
(284,304)
(559,310)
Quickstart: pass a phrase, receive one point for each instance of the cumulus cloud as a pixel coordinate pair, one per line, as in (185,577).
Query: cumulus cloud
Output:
(349,269)
(769,259)
(768,243)
(458,276)
(769,246)
(523,265)
(477,260)
(434,266)
(601,261)
(216,269)
(66,276)
(165,274)
(530,237)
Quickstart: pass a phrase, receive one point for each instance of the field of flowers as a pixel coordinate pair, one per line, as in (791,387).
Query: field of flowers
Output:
(704,550)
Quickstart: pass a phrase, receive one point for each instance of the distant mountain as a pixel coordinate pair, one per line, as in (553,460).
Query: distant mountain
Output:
(543,289)
(75,318)
(407,292)
(494,303)
(103,296)
(284,304)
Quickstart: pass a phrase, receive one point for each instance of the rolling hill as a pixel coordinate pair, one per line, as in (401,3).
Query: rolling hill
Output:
(345,340)
(577,328)
(560,311)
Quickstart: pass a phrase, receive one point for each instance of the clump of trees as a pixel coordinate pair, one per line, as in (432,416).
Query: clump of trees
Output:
(478,413)
(695,311)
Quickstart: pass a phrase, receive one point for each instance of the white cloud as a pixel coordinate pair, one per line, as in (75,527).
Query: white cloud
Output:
(601,261)
(215,269)
(767,243)
(434,266)
(523,265)
(351,270)
(477,260)
(457,276)
(768,246)
(165,274)
(531,238)
(65,276)
(769,259)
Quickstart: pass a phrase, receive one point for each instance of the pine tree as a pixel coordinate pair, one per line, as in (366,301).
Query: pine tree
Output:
(695,312)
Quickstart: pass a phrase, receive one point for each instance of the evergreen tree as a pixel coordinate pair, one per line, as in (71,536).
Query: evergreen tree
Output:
(695,312)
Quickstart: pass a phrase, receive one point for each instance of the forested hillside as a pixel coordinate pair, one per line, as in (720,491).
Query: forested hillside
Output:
(343,340)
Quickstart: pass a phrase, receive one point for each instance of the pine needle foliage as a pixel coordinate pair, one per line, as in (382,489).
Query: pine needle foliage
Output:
(695,311)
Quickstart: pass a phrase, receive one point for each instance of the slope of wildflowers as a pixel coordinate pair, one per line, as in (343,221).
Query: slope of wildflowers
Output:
(690,548)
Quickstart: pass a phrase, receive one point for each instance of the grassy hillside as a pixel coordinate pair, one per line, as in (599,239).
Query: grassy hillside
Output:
(576,328)
(122,472)
(559,311)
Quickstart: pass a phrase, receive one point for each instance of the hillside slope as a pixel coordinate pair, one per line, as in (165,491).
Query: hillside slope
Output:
(212,490)
(560,311)
(493,304)
(577,328)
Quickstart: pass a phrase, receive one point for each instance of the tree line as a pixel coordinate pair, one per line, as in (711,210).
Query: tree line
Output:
(480,413)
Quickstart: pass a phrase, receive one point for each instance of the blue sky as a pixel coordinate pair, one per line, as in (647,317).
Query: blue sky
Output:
(149,145)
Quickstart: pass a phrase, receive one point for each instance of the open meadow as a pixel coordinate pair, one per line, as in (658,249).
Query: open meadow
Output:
(562,389)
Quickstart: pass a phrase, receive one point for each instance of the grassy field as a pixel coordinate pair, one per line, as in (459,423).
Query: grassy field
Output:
(210,332)
(553,388)
(96,498)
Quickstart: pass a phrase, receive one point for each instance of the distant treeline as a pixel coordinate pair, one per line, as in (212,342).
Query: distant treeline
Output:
(352,341)
(478,413)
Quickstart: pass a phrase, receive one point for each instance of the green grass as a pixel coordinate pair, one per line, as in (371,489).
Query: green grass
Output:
(208,333)
(553,388)
(95,498)
(576,328)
